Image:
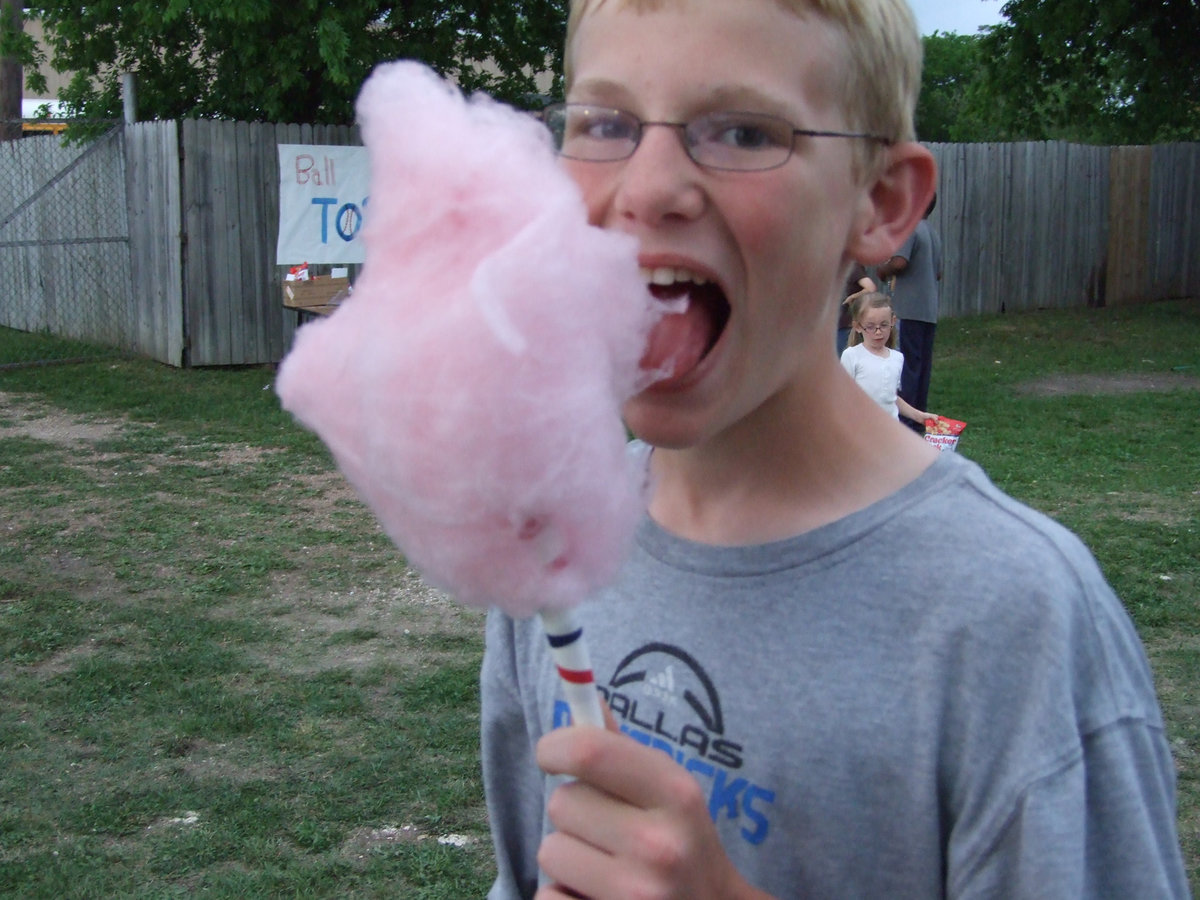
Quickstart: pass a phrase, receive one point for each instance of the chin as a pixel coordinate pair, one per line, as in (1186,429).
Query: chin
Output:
(660,426)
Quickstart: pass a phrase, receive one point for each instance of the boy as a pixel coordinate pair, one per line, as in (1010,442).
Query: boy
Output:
(792,723)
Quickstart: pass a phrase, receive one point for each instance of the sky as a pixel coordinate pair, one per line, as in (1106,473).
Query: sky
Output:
(961,16)
(29,108)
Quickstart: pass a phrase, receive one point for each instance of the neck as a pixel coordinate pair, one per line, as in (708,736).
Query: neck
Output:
(787,468)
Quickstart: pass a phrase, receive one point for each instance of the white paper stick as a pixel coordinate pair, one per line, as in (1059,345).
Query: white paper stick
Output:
(569,651)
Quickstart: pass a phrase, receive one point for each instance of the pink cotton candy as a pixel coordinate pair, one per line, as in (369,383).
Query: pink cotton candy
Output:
(471,387)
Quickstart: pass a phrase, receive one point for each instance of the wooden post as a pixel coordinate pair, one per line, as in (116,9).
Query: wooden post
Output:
(12,77)
(129,97)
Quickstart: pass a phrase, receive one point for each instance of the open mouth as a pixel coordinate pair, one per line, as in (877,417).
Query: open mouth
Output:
(697,316)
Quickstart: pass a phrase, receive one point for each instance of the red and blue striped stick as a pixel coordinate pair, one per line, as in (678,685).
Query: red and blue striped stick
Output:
(569,651)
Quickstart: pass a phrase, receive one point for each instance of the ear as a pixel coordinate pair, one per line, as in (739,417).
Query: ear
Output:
(893,202)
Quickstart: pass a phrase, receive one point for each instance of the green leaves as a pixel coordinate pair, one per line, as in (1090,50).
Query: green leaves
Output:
(1089,71)
(949,83)
(334,46)
(302,61)
(1098,71)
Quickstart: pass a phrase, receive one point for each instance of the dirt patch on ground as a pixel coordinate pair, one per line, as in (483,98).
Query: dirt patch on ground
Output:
(390,613)
(395,618)
(1151,382)
(27,418)
(362,842)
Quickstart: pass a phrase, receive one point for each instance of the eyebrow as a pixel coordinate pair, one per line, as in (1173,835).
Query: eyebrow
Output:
(743,97)
(727,97)
(601,90)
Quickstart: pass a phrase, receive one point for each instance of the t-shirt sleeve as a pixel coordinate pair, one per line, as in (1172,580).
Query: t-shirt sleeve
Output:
(848,361)
(1075,783)
(1095,827)
(512,782)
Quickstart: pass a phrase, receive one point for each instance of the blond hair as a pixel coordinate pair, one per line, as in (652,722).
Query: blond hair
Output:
(859,303)
(881,68)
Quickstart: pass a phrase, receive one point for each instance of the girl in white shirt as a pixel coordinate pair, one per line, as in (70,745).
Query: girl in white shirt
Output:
(871,356)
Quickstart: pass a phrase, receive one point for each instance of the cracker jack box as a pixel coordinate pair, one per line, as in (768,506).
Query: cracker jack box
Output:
(319,295)
(943,433)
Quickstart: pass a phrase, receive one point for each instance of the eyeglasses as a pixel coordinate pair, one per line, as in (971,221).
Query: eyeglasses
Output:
(876,329)
(733,141)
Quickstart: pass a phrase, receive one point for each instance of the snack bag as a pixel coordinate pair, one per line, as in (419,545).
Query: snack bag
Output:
(943,433)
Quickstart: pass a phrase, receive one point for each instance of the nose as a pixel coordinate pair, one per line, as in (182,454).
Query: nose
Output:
(659,182)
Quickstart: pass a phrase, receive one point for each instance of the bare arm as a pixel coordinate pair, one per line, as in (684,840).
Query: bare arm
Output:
(893,267)
(911,412)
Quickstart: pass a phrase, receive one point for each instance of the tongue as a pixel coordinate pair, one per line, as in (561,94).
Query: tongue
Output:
(677,342)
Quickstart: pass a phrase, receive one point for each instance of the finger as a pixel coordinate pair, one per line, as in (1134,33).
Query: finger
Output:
(557,892)
(618,765)
(576,868)
(597,818)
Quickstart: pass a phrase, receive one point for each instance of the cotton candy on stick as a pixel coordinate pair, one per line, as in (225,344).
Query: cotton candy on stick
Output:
(471,387)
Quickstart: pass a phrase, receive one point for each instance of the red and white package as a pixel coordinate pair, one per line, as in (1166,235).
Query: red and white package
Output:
(943,433)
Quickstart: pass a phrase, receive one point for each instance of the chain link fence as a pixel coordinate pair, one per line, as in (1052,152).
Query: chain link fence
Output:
(64,244)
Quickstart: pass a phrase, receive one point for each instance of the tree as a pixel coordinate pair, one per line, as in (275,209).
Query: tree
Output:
(299,61)
(950,89)
(1103,71)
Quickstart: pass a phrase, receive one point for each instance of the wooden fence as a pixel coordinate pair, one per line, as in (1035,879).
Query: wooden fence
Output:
(1043,225)
(203,235)
(1023,225)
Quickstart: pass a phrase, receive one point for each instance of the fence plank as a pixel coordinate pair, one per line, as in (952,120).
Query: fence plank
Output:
(156,229)
(219,255)
(1129,213)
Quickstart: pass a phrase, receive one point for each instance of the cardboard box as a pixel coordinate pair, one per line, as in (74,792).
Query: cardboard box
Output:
(319,296)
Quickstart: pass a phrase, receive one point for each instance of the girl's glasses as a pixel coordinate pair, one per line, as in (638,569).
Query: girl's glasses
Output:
(876,329)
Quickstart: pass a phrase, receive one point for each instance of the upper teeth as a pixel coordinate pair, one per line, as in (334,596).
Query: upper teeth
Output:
(665,275)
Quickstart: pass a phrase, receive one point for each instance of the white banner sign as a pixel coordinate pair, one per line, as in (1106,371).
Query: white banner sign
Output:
(322,200)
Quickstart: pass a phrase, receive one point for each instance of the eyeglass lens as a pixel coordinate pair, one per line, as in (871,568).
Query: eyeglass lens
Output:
(725,140)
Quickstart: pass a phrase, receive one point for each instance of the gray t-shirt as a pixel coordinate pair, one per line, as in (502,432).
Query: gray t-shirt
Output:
(938,696)
(915,294)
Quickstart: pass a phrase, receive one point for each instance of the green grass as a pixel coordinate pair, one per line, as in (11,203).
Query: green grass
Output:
(19,348)
(220,680)
(213,686)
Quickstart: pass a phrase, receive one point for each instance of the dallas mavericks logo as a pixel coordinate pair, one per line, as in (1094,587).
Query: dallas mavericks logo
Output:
(663,698)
